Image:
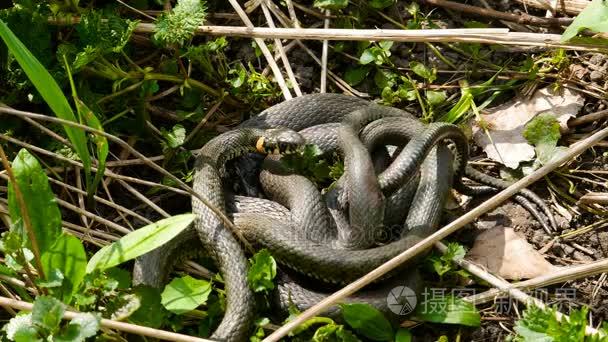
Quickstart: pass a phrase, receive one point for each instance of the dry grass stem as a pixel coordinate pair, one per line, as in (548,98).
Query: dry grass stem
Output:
(265,51)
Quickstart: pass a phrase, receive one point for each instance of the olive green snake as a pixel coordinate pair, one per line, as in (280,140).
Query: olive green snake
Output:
(337,239)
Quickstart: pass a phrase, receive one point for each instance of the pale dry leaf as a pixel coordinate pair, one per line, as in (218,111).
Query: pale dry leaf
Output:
(502,252)
(507,122)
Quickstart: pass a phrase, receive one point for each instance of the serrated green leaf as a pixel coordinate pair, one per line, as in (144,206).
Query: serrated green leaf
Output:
(447,310)
(544,128)
(368,321)
(139,242)
(262,271)
(185,294)
(334,332)
(47,313)
(81,327)
(176,137)
(20,327)
(69,257)
(42,208)
(50,92)
(594,17)
(178,26)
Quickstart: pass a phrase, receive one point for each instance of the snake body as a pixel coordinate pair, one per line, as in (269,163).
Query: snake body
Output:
(302,237)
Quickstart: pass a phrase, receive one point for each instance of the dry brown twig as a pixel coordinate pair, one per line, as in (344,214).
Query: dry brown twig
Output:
(523,19)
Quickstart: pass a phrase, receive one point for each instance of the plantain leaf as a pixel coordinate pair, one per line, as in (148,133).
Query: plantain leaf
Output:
(39,200)
(68,256)
(139,242)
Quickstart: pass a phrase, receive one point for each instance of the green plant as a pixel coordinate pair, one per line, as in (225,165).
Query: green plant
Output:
(542,324)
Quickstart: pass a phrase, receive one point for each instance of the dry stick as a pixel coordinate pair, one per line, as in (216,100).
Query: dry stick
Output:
(487,36)
(281,50)
(292,14)
(158,168)
(24,213)
(569,6)
(523,19)
(559,276)
(143,198)
(202,123)
(428,242)
(324,53)
(588,118)
(505,286)
(110,324)
(262,45)
(97,198)
(107,172)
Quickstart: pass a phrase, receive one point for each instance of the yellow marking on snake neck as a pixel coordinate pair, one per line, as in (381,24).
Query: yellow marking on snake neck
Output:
(259,145)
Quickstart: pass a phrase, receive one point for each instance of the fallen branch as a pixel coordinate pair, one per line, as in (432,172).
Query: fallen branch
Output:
(484,36)
(427,243)
(561,275)
(523,19)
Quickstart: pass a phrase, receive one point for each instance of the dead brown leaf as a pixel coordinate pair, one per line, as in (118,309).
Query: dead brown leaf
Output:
(505,254)
(506,123)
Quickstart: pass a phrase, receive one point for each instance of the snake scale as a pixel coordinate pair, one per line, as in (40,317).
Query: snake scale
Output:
(333,240)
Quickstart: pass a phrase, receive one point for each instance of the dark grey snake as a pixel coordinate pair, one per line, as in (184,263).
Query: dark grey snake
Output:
(302,236)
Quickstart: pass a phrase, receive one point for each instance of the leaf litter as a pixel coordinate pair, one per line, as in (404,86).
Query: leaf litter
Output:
(506,124)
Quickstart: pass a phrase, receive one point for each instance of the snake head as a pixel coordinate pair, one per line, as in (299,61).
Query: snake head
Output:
(280,141)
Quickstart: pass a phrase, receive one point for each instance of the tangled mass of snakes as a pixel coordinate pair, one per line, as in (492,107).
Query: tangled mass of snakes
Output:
(398,173)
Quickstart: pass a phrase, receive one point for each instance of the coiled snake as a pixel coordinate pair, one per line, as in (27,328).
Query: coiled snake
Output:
(335,242)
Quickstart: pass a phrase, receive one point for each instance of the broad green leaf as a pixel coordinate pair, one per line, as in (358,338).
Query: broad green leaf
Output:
(47,313)
(185,294)
(355,76)
(50,92)
(39,200)
(594,17)
(448,310)
(403,335)
(424,72)
(139,242)
(368,321)
(81,327)
(435,98)
(262,271)
(69,257)
(331,4)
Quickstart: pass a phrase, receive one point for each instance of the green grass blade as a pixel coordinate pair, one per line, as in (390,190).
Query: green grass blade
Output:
(101,143)
(49,90)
